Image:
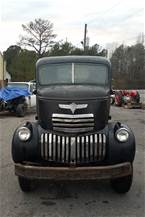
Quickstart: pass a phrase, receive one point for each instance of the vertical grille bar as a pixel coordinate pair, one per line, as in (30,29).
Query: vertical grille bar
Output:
(73,150)
(56,148)
(50,141)
(78,149)
(46,146)
(104,145)
(82,146)
(87,148)
(100,146)
(52,147)
(91,147)
(69,149)
(96,144)
(60,148)
(42,144)
(63,147)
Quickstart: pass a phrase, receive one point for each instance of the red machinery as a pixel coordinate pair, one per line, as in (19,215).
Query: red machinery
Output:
(127,98)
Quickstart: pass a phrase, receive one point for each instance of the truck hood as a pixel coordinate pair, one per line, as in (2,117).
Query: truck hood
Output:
(96,99)
(67,92)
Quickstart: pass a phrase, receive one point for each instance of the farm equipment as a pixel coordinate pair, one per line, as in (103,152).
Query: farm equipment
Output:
(127,98)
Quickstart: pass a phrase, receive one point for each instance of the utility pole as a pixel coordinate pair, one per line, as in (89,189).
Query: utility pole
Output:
(85,36)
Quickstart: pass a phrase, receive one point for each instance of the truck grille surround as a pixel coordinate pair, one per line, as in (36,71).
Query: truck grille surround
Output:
(73,149)
(73,123)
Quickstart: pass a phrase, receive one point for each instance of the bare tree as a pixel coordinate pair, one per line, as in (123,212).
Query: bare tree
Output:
(39,36)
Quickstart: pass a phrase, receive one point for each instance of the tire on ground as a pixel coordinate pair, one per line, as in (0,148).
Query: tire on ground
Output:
(21,110)
(26,185)
(123,184)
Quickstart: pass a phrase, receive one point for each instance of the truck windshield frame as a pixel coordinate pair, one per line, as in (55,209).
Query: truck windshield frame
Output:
(73,73)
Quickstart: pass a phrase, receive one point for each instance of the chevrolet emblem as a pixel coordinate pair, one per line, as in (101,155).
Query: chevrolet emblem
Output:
(73,107)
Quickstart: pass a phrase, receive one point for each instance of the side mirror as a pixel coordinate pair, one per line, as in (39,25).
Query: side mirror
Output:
(34,92)
(111,92)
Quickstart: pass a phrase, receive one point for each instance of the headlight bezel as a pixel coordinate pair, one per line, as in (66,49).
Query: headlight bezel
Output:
(27,135)
(119,131)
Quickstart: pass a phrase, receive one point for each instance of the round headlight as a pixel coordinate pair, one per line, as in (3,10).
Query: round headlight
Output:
(122,135)
(24,133)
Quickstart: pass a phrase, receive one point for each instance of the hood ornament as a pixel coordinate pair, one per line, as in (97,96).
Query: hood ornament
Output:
(73,107)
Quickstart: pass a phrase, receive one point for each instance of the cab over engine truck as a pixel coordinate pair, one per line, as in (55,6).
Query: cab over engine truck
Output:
(72,138)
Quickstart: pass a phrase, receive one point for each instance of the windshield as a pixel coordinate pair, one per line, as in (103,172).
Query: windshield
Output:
(73,73)
(24,86)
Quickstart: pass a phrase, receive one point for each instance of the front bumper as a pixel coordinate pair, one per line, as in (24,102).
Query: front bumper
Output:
(73,173)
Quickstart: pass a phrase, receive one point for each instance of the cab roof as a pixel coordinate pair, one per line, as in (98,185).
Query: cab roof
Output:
(73,59)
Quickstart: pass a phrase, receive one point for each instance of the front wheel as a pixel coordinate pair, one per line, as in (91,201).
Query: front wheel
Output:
(21,110)
(26,185)
(123,184)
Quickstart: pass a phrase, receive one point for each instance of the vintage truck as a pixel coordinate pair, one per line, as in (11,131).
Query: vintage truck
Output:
(73,137)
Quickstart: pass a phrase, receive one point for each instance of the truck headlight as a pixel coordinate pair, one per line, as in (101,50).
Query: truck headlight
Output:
(24,133)
(122,135)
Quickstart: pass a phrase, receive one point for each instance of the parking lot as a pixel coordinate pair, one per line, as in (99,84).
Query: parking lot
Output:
(68,199)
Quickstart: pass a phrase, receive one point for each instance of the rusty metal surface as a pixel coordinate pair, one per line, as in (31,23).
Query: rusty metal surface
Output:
(73,173)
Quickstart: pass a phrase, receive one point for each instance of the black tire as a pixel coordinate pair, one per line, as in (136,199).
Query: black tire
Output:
(21,110)
(137,97)
(112,100)
(26,185)
(123,184)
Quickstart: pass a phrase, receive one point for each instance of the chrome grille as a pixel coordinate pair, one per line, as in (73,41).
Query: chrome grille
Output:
(67,149)
(73,123)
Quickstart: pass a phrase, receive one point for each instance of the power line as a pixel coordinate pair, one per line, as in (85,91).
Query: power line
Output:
(125,18)
(104,12)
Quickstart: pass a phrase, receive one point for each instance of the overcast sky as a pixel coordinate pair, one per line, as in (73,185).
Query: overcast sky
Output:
(108,21)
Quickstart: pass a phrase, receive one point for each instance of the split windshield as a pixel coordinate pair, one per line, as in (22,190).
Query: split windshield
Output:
(73,73)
